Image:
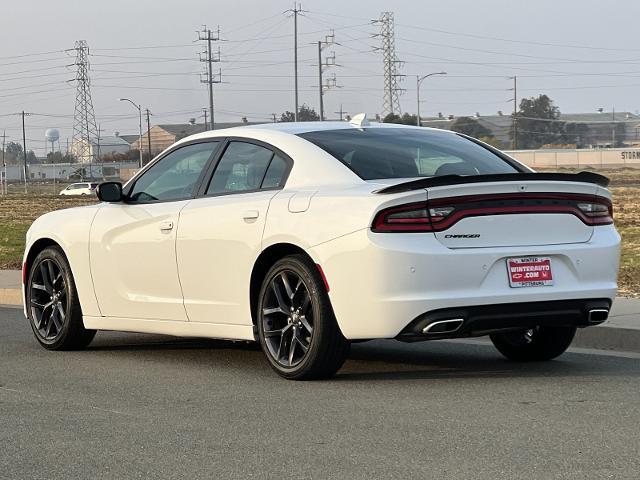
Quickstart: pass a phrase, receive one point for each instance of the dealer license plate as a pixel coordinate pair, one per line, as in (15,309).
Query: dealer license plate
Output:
(529,272)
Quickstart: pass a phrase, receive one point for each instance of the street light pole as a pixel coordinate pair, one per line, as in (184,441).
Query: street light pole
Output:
(140,131)
(419,80)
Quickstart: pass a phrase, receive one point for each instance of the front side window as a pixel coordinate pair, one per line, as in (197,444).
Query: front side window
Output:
(376,153)
(174,176)
(247,167)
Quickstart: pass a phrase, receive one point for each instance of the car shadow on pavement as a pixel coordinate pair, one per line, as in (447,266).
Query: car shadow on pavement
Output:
(390,360)
(378,359)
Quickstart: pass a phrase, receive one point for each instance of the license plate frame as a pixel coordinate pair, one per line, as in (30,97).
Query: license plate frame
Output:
(533,271)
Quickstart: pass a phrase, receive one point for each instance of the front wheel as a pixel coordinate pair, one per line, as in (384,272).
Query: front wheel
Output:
(297,329)
(534,344)
(52,303)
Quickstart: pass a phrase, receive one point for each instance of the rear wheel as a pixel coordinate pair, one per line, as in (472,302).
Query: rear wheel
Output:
(296,325)
(52,303)
(534,344)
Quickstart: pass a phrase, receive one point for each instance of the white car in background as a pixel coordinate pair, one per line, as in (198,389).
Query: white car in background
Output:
(307,236)
(80,189)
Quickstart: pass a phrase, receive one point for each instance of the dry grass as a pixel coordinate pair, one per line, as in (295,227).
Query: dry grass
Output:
(17,211)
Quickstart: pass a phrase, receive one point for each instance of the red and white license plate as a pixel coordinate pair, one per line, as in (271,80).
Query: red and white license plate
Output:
(529,272)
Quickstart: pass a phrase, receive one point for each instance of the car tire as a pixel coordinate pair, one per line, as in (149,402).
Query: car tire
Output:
(52,302)
(536,344)
(297,329)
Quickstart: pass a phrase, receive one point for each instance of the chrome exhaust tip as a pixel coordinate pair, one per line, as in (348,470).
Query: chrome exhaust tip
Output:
(443,326)
(597,315)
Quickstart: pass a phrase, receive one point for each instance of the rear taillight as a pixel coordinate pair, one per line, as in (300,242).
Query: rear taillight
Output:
(598,212)
(442,213)
(413,217)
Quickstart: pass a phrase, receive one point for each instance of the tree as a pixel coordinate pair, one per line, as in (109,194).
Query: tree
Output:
(305,114)
(405,119)
(470,126)
(58,157)
(14,149)
(533,133)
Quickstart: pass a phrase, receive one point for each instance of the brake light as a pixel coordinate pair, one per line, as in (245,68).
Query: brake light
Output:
(598,212)
(412,217)
(442,213)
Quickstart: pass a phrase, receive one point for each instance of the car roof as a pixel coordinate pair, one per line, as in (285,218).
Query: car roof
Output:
(296,128)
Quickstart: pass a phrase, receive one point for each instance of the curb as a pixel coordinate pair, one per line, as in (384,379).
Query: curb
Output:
(10,296)
(608,338)
(603,337)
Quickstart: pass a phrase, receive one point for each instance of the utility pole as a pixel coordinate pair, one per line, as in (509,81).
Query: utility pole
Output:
(206,35)
(515,112)
(24,149)
(149,133)
(206,125)
(3,187)
(341,112)
(329,62)
(97,154)
(296,10)
(320,86)
(275,120)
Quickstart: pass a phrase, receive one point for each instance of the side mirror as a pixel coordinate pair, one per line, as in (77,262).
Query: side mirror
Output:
(110,192)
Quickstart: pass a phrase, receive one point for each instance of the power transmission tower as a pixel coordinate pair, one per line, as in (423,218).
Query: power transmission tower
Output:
(210,58)
(322,66)
(391,102)
(84,119)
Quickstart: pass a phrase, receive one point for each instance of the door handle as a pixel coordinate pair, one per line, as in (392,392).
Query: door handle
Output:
(166,226)
(251,214)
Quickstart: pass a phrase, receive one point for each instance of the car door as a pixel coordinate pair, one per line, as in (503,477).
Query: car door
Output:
(220,233)
(132,243)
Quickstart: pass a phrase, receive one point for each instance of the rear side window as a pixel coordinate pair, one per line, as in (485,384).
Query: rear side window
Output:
(275,176)
(247,167)
(376,153)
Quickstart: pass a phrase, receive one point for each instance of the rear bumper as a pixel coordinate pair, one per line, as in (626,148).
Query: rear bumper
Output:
(477,320)
(380,283)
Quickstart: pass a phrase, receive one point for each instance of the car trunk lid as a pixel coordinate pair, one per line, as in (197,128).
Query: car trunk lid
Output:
(513,210)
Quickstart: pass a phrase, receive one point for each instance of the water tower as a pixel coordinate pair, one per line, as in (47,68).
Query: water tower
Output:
(52,135)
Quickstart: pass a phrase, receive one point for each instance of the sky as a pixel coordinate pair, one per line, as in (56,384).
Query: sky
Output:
(584,54)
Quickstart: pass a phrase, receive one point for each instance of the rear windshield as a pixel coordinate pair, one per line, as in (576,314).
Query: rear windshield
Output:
(406,153)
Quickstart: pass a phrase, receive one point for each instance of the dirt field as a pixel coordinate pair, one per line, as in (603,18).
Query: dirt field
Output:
(17,211)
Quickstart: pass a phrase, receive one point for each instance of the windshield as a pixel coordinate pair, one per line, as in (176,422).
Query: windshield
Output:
(376,153)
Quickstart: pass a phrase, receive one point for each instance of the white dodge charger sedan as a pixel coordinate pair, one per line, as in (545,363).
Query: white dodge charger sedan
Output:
(308,236)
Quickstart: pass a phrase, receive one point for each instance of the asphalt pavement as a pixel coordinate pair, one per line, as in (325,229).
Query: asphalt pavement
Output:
(134,406)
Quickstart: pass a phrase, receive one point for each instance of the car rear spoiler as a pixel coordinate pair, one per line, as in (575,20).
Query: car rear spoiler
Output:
(581,177)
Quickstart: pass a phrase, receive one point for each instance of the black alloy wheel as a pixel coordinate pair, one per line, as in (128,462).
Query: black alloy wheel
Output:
(534,344)
(296,326)
(52,303)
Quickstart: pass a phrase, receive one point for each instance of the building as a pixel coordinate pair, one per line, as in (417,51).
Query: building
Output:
(163,136)
(605,129)
(106,145)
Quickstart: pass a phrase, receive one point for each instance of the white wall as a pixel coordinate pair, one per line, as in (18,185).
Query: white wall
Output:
(602,158)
